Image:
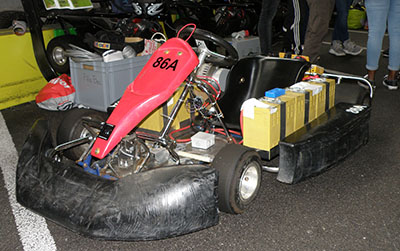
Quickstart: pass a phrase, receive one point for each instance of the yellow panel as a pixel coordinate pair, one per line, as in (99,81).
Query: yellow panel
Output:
(21,78)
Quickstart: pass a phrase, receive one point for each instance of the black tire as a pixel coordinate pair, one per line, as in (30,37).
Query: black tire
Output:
(234,164)
(71,127)
(56,52)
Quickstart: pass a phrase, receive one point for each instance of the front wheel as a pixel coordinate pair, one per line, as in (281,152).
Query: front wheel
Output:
(239,169)
(76,124)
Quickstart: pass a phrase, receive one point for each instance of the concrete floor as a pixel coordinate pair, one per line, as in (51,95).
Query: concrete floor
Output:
(354,206)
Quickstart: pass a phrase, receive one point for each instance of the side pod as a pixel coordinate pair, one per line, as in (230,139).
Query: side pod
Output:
(155,204)
(323,143)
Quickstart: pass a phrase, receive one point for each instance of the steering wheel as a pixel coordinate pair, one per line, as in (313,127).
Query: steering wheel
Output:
(213,57)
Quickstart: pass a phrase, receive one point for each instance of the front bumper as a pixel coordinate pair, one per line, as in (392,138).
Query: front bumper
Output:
(156,204)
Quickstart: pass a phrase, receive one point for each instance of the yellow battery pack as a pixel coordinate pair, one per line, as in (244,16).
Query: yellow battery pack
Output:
(329,86)
(290,112)
(320,99)
(317,100)
(154,121)
(183,113)
(158,118)
(311,93)
(332,91)
(300,99)
(261,124)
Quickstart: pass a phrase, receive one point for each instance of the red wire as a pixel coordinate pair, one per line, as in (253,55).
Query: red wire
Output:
(311,77)
(179,130)
(221,131)
(191,24)
(212,87)
(216,81)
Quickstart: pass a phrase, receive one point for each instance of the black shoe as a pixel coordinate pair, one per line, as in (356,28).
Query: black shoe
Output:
(390,84)
(365,85)
(385,53)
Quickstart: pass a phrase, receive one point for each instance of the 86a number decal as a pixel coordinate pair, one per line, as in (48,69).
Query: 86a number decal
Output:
(165,63)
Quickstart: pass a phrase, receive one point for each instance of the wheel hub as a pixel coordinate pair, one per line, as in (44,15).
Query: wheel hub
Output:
(249,181)
(59,56)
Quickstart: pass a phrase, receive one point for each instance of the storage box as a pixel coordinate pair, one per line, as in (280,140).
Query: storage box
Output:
(98,84)
(246,46)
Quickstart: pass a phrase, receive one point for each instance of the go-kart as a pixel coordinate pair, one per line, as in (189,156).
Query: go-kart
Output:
(111,180)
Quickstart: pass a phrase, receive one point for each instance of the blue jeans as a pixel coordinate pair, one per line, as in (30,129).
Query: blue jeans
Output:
(268,11)
(379,12)
(341,32)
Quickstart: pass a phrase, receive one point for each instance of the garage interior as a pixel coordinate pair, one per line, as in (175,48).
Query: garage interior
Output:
(353,206)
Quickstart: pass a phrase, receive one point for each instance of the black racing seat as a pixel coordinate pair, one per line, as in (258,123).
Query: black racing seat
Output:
(252,76)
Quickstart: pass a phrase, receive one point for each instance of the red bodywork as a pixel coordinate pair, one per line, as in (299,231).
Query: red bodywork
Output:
(167,68)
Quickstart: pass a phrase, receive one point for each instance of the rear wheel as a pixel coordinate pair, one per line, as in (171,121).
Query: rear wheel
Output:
(239,171)
(73,127)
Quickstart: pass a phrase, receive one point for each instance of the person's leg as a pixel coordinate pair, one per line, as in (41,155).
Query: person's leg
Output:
(268,11)
(391,81)
(318,23)
(394,36)
(303,20)
(292,41)
(340,31)
(377,13)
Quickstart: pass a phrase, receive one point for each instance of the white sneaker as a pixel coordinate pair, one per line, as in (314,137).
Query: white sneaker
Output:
(349,47)
(337,48)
